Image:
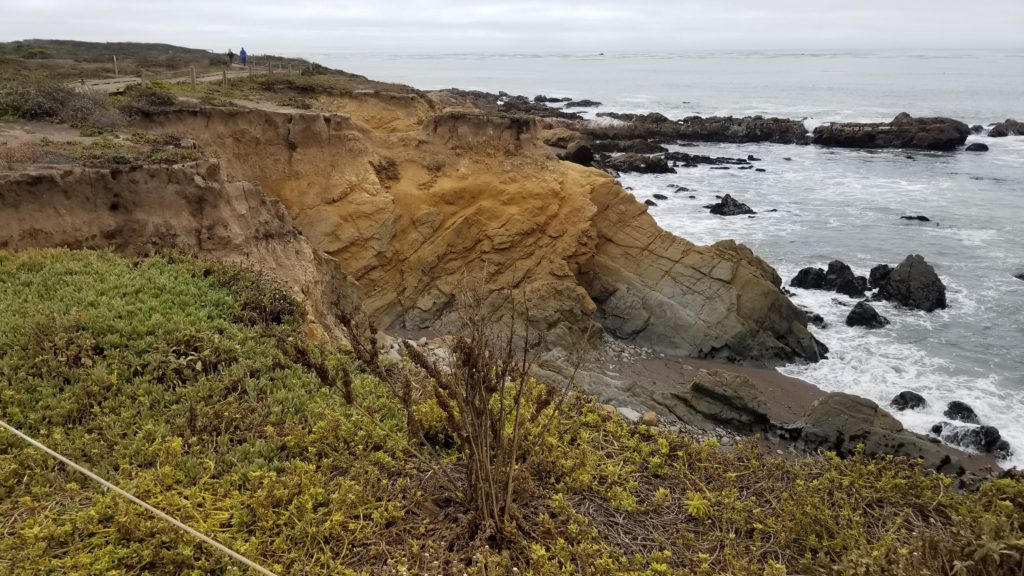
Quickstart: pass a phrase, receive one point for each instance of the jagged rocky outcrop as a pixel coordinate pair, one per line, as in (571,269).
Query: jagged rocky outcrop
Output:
(191,208)
(478,200)
(983,439)
(729,206)
(657,127)
(904,131)
(914,284)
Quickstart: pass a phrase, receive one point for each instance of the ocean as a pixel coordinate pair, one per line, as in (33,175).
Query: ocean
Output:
(831,203)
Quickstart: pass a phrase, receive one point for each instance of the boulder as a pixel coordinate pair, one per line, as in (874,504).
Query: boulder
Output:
(639,163)
(660,196)
(903,131)
(1008,127)
(976,147)
(809,278)
(977,128)
(727,399)
(729,206)
(650,202)
(649,418)
(864,314)
(878,275)
(914,284)
(578,154)
(960,411)
(908,400)
(985,439)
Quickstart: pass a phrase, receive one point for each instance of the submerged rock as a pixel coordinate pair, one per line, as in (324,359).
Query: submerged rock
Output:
(914,284)
(1008,127)
(985,439)
(960,411)
(918,218)
(976,147)
(904,131)
(729,206)
(582,104)
(908,400)
(864,314)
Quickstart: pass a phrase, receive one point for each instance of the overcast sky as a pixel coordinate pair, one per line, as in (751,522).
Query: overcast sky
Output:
(524,25)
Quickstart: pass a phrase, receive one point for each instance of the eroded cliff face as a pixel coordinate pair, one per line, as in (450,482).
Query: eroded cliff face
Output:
(139,211)
(477,201)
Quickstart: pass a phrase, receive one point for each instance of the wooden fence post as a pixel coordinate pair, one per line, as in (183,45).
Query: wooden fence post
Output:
(115,66)
(192,71)
(142,75)
(224,78)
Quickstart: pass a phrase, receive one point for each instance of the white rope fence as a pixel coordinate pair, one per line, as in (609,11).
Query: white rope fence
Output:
(159,514)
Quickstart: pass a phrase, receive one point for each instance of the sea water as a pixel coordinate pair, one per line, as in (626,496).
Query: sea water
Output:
(830,203)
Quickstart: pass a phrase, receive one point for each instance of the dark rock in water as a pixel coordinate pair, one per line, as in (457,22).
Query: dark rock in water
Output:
(878,275)
(582,104)
(774,210)
(986,439)
(692,197)
(787,159)
(957,410)
(977,147)
(1019,276)
(904,131)
(864,314)
(650,202)
(542,99)
(908,400)
(977,128)
(759,170)
(630,146)
(914,284)
(917,218)
(841,279)
(1008,127)
(809,279)
(752,158)
(579,154)
(679,188)
(640,163)
(745,168)
(660,196)
(909,157)
(729,206)
(721,168)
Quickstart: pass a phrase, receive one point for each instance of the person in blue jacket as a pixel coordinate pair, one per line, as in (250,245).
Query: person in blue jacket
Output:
(242,56)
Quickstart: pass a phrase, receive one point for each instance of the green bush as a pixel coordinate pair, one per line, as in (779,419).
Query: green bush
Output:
(52,102)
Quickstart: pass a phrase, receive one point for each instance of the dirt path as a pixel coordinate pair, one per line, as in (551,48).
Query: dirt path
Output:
(112,85)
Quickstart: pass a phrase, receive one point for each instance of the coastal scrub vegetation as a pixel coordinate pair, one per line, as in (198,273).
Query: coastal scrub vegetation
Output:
(193,385)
